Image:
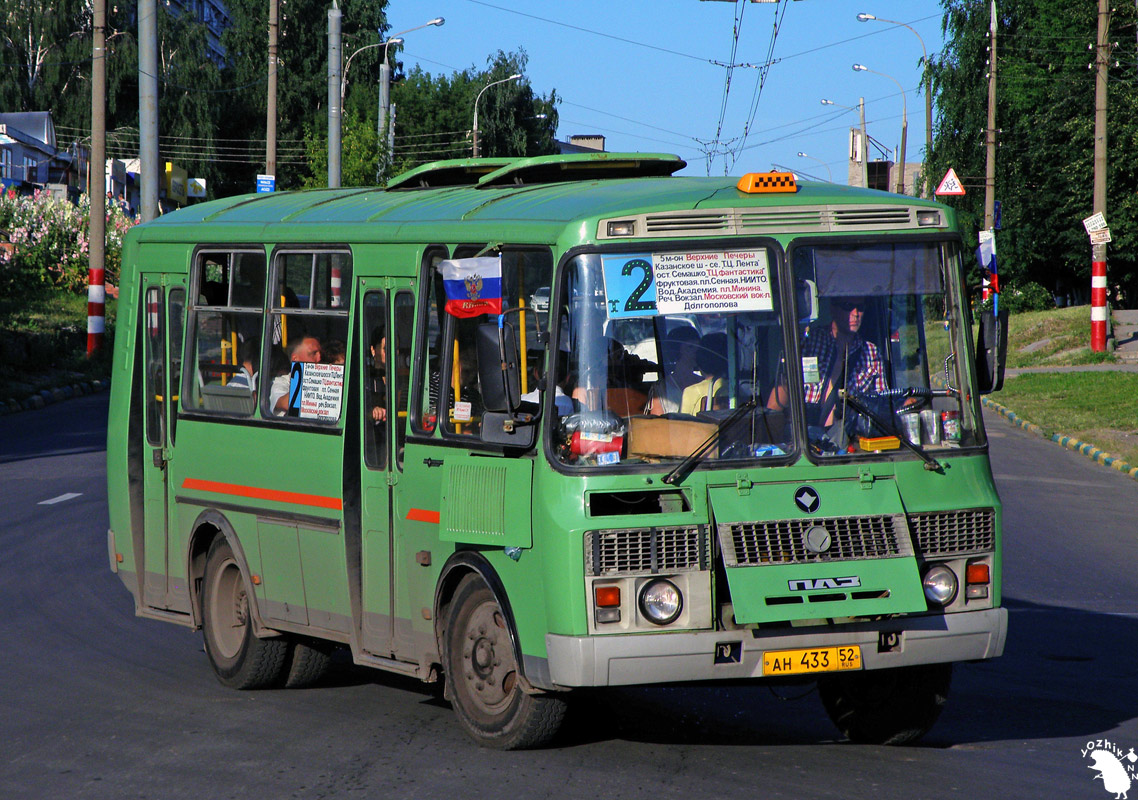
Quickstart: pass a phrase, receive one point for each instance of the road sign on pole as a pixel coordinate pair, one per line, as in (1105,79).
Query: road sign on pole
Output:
(950,185)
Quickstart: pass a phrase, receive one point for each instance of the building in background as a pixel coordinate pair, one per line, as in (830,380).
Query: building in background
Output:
(30,158)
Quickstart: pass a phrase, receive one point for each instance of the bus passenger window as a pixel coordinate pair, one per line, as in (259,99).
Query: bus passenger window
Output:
(309,295)
(375,421)
(226,321)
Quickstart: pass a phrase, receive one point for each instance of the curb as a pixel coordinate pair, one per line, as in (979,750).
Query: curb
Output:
(1071,443)
(47,397)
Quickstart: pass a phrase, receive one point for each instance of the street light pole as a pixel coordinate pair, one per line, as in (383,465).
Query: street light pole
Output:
(928,89)
(382,123)
(863,145)
(904,124)
(477,148)
(820,161)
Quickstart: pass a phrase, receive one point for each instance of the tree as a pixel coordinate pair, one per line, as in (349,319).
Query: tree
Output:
(47,48)
(1045,118)
(435,115)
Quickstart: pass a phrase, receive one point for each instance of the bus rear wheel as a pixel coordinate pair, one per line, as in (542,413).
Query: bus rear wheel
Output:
(482,676)
(240,659)
(888,706)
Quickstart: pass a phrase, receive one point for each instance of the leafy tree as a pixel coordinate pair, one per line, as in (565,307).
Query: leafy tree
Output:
(434,114)
(46,49)
(1045,118)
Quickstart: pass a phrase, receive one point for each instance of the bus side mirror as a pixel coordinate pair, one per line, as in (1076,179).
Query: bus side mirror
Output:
(991,350)
(498,371)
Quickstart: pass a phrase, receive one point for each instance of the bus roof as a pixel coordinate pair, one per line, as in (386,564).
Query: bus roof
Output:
(542,196)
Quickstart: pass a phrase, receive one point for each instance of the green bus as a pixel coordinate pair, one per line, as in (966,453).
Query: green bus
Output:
(529,425)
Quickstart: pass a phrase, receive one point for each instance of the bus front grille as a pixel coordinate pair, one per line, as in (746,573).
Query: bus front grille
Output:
(646,550)
(785,541)
(949,533)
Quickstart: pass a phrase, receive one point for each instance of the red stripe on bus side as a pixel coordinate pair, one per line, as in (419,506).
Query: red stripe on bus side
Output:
(422,515)
(277,496)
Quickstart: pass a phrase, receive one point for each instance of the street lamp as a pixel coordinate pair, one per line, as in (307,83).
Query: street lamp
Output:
(385,92)
(928,83)
(904,124)
(477,151)
(820,161)
(863,145)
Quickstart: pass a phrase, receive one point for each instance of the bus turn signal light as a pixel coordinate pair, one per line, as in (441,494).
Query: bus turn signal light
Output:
(758,182)
(977,573)
(607,596)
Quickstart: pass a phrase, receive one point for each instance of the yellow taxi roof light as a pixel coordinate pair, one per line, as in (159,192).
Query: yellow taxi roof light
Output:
(758,182)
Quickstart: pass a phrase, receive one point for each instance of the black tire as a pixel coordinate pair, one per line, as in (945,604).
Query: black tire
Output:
(482,676)
(240,659)
(888,706)
(308,662)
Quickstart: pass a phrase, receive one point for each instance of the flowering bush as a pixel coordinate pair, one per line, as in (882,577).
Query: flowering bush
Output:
(51,241)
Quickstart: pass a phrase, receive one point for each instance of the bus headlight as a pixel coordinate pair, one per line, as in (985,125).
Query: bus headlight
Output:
(940,584)
(661,602)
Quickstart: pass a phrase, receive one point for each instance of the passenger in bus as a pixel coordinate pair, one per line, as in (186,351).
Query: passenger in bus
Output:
(333,352)
(248,354)
(377,379)
(304,349)
(680,349)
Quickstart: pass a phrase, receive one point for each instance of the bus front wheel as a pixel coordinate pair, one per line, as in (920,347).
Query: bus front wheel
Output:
(240,659)
(482,675)
(888,706)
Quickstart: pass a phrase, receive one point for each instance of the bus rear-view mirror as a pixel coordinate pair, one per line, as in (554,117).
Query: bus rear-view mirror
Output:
(498,371)
(991,350)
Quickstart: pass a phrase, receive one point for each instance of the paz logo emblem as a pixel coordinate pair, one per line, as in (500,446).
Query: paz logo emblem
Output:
(806,499)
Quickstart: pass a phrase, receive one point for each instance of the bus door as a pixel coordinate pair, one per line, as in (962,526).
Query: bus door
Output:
(162,317)
(388,318)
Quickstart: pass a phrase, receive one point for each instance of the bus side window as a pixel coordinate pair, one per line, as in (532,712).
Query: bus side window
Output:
(227,313)
(308,330)
(376,375)
(399,371)
(424,412)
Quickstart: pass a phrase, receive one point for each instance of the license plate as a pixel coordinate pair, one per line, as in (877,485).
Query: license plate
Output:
(816,659)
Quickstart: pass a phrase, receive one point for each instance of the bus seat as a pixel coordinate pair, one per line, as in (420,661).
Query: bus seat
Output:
(239,400)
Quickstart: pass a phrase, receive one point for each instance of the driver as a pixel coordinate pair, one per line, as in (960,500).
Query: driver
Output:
(836,349)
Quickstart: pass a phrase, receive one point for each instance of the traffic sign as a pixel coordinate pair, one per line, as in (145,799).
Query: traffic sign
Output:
(266,183)
(950,185)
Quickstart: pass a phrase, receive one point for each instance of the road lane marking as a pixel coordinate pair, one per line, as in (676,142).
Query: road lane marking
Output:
(62,498)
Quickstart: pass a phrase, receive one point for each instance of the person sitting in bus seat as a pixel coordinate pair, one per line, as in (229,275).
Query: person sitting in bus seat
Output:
(626,370)
(304,349)
(712,361)
(680,349)
(334,352)
(248,353)
(828,351)
(562,402)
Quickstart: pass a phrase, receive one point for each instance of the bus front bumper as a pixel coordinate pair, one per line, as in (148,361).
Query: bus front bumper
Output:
(622,660)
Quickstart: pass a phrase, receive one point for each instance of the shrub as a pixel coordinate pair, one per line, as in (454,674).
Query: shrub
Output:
(1028,297)
(51,241)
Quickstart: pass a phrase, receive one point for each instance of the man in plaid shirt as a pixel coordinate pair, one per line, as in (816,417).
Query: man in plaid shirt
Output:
(864,369)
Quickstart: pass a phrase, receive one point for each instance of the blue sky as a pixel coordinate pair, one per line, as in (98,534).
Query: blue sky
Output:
(641,73)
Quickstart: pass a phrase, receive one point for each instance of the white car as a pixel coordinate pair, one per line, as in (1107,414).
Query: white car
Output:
(539,300)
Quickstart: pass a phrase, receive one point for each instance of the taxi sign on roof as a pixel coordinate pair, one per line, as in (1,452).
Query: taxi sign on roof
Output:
(950,185)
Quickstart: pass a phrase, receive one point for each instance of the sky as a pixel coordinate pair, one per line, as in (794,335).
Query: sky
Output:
(652,75)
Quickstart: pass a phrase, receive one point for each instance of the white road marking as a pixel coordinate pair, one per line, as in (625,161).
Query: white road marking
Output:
(62,498)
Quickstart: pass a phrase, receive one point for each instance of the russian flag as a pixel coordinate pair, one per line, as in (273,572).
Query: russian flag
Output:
(473,286)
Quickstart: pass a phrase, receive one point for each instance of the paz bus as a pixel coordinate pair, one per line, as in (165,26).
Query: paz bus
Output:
(529,425)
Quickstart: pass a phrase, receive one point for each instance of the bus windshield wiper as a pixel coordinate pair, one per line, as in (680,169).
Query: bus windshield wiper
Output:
(684,468)
(931,463)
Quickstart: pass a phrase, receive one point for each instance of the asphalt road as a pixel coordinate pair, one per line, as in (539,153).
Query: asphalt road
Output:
(96,703)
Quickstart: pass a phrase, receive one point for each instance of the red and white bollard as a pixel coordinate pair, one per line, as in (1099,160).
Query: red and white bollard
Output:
(1098,306)
(96,309)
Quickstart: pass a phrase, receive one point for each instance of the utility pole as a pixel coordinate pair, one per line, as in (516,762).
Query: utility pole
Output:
(864,146)
(97,183)
(147,108)
(1098,247)
(271,116)
(335,60)
(990,133)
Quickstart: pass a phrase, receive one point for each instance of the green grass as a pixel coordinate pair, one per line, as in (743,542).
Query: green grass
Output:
(1059,337)
(43,343)
(1096,407)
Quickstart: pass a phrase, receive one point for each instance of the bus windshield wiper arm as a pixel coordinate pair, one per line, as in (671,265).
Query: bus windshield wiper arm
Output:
(684,468)
(930,463)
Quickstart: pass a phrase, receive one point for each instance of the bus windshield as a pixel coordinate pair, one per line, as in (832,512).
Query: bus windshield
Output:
(657,350)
